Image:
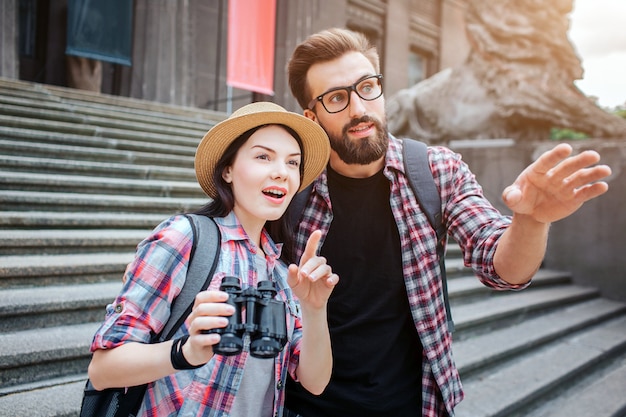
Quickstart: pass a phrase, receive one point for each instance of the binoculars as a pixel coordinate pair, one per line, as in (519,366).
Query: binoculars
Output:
(265,320)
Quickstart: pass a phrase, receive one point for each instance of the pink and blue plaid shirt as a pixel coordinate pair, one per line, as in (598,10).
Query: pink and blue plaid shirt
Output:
(142,308)
(470,219)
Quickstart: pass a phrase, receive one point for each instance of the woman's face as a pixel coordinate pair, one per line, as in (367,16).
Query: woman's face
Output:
(265,175)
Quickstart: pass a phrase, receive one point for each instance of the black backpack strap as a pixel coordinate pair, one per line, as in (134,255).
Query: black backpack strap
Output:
(297,205)
(421,179)
(204,256)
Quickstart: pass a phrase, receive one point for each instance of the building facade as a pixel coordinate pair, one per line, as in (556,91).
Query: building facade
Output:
(179,47)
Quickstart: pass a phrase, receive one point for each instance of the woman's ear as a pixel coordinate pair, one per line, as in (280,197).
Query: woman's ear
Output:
(226,175)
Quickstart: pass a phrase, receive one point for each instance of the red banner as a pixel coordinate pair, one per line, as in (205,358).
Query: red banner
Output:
(251,33)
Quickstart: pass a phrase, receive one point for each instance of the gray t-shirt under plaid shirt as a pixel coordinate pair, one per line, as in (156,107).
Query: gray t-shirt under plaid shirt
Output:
(255,396)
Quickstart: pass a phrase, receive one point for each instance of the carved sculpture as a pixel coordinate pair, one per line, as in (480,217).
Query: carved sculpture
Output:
(517,81)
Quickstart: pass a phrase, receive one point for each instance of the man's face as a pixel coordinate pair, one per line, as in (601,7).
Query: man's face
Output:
(358,134)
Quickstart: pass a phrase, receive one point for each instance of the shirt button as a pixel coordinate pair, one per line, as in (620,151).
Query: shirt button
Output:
(279,385)
(119,308)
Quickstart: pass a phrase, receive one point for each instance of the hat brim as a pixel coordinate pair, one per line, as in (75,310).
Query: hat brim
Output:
(315,143)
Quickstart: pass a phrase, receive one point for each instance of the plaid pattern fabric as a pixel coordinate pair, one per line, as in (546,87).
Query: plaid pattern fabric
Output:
(142,308)
(470,219)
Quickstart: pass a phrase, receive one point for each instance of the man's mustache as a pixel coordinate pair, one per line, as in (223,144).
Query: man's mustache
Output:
(356,122)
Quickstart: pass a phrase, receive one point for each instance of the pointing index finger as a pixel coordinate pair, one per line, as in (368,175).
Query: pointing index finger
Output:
(311,246)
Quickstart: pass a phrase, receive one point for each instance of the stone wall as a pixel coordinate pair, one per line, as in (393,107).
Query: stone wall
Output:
(591,244)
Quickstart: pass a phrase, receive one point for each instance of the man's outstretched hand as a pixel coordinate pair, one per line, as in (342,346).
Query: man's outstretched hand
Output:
(557,184)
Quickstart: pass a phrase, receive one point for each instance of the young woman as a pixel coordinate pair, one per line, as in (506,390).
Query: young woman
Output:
(250,165)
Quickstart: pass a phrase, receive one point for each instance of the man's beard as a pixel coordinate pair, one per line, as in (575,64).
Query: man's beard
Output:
(363,151)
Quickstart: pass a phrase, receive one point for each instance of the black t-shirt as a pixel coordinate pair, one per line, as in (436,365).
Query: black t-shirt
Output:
(377,355)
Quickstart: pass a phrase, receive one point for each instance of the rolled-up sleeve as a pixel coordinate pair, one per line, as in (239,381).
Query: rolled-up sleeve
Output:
(475,224)
(152,280)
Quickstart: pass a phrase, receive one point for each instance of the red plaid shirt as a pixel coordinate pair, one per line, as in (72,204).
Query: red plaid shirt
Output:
(470,219)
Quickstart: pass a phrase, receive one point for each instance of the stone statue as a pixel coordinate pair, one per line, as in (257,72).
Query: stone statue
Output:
(517,81)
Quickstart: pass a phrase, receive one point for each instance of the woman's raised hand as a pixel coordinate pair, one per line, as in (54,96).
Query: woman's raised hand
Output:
(313,280)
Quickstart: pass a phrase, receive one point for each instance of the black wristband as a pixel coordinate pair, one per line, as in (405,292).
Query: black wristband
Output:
(176,355)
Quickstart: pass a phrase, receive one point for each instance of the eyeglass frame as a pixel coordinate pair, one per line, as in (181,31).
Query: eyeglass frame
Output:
(349,89)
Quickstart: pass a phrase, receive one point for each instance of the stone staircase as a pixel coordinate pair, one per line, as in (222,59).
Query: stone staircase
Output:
(83,178)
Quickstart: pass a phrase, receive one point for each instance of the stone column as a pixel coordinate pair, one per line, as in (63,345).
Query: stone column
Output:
(158,51)
(176,53)
(396,59)
(9,59)
(454,44)
(295,20)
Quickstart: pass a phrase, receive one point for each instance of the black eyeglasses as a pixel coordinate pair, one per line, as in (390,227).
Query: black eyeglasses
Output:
(337,99)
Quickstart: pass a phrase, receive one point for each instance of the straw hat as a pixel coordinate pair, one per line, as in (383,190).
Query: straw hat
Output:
(315,143)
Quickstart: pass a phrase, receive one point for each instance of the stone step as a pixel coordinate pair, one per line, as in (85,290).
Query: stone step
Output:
(505,309)
(16,89)
(12,200)
(599,394)
(43,165)
(62,113)
(605,309)
(31,304)
(81,153)
(53,256)
(468,287)
(65,241)
(476,353)
(8,91)
(82,184)
(42,270)
(73,390)
(95,131)
(39,354)
(66,146)
(86,259)
(18,102)
(52,304)
(61,220)
(104,102)
(531,378)
(60,398)
(127,150)
(55,305)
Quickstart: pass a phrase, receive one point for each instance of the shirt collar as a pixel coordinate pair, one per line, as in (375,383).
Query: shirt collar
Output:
(232,230)
(393,158)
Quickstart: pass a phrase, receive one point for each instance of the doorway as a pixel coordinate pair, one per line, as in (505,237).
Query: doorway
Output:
(42,39)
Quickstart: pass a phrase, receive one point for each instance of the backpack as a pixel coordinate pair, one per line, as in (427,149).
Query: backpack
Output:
(417,167)
(205,251)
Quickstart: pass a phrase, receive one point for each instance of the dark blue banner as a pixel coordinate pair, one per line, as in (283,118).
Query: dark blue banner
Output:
(100,29)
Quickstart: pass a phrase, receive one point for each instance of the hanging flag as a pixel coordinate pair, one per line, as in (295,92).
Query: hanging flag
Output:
(251,34)
(100,30)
